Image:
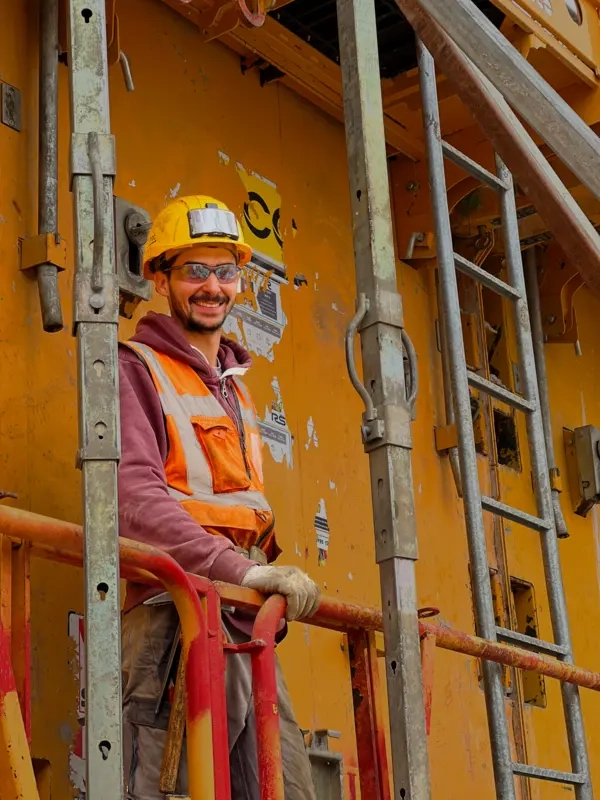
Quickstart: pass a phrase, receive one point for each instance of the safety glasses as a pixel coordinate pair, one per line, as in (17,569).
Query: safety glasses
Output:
(195,272)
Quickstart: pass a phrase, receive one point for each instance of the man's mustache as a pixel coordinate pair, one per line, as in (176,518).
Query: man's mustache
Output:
(207,298)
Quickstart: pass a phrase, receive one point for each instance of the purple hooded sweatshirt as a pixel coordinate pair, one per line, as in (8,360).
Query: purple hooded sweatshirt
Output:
(147,513)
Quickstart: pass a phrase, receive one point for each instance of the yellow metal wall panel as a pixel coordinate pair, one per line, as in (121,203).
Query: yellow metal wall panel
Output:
(195,124)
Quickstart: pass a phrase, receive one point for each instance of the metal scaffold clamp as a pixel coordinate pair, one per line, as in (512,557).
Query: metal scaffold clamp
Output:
(93,154)
(391,423)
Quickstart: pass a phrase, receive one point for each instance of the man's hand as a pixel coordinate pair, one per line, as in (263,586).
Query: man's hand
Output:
(302,592)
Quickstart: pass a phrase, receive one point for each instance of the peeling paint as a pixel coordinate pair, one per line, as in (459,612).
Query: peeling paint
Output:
(311,433)
(258,316)
(240,168)
(223,157)
(174,191)
(545,5)
(322,531)
(350,576)
(335,308)
(2,219)
(77,763)
(332,485)
(132,183)
(274,429)
(298,551)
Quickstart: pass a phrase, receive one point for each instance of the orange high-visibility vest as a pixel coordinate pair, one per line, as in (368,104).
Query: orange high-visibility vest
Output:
(213,469)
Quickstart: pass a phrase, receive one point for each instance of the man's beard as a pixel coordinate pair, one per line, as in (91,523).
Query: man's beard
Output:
(185,314)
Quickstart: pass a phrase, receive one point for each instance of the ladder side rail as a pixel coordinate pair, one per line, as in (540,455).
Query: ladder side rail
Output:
(538,341)
(482,595)
(541,482)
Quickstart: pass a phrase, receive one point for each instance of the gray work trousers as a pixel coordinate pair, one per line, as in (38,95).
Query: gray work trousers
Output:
(148,633)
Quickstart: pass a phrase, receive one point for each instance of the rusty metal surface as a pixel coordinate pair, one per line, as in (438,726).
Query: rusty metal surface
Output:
(368,722)
(63,541)
(427,663)
(266,702)
(531,170)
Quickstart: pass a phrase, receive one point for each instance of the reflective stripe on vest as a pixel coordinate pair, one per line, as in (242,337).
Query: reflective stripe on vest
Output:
(180,409)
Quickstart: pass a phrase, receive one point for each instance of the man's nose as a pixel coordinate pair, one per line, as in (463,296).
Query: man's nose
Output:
(211,284)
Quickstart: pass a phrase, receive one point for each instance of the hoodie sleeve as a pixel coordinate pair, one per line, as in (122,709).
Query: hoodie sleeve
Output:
(147,513)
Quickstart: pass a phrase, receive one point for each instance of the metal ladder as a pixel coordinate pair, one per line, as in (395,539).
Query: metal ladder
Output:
(474,502)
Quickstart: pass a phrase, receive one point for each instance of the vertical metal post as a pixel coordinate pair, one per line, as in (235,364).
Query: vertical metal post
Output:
(47,274)
(482,594)
(537,335)
(386,433)
(96,320)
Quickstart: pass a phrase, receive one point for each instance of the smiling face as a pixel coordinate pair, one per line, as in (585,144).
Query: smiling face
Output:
(200,306)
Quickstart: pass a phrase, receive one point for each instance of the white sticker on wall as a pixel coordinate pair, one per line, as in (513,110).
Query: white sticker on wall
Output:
(257,319)
(322,530)
(274,429)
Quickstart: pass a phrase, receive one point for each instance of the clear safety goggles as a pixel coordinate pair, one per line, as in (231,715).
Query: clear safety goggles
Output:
(195,272)
(212,221)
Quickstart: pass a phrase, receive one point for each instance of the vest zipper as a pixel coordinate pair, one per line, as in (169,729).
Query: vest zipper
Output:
(237,412)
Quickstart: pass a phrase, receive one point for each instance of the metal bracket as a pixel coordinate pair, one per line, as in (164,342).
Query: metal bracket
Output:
(391,426)
(46,248)
(132,225)
(327,765)
(80,157)
(388,425)
(319,739)
(84,294)
(386,310)
(11,107)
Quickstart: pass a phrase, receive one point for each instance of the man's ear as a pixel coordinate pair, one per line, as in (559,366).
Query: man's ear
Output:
(161,283)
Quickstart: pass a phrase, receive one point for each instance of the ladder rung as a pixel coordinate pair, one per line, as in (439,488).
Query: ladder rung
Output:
(487,279)
(499,392)
(514,514)
(530,642)
(545,774)
(473,168)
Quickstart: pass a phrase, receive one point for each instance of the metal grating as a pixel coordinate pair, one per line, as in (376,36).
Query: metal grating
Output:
(315,22)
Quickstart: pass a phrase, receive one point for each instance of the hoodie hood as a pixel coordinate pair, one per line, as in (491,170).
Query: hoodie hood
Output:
(163,333)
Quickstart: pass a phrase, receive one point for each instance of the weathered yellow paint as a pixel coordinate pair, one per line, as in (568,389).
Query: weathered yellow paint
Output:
(17,779)
(196,124)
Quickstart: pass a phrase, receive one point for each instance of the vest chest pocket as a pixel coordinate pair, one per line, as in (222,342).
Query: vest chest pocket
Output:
(222,447)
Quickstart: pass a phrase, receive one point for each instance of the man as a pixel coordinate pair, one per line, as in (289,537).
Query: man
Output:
(190,482)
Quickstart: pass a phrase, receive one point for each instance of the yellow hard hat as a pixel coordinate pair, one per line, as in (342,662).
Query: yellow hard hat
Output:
(190,221)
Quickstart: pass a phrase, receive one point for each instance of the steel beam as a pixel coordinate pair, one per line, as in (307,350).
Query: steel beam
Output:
(388,436)
(573,141)
(96,319)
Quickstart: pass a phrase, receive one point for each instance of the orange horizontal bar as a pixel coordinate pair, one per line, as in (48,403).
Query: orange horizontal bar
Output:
(63,541)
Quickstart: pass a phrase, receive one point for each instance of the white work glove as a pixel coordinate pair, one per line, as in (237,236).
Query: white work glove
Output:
(302,592)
